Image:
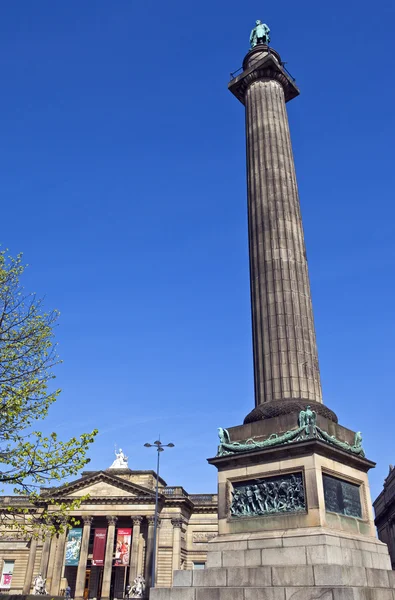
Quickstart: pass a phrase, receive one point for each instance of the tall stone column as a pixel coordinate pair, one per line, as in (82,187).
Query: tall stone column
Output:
(58,562)
(45,557)
(107,570)
(284,342)
(81,571)
(30,566)
(51,561)
(134,552)
(177,528)
(149,550)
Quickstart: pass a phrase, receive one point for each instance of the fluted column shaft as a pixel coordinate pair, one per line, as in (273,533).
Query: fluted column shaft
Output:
(45,557)
(149,551)
(177,528)
(284,344)
(134,552)
(30,566)
(58,562)
(81,571)
(107,570)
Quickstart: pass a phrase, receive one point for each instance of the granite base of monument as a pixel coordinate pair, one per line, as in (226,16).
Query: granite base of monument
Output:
(295,518)
(297,565)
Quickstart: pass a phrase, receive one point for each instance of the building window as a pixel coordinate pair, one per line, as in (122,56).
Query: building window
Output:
(199,565)
(6,574)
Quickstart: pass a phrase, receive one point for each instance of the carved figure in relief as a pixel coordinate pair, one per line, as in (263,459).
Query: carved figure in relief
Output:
(250,500)
(266,497)
(258,497)
(238,506)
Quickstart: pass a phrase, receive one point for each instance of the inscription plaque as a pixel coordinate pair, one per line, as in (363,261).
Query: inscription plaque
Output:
(342,497)
(279,494)
(202,537)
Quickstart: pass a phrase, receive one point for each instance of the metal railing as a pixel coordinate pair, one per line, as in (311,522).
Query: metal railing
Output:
(179,492)
(204,498)
(240,69)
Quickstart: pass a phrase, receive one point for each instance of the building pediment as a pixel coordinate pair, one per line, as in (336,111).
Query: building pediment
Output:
(101,485)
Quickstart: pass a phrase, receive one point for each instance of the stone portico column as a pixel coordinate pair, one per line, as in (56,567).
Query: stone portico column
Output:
(177,527)
(107,570)
(51,561)
(81,571)
(30,566)
(134,552)
(45,557)
(148,550)
(58,563)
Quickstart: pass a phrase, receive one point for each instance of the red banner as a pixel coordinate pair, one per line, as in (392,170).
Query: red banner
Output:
(122,548)
(99,547)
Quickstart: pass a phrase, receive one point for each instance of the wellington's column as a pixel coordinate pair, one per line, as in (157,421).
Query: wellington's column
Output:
(284,344)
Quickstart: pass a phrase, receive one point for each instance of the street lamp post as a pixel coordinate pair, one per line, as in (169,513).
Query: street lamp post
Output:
(159,448)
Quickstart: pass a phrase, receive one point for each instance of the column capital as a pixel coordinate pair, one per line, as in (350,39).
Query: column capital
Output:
(111,520)
(177,522)
(151,520)
(137,519)
(87,520)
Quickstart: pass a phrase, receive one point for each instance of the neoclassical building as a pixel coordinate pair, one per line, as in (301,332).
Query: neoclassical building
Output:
(113,542)
(384,508)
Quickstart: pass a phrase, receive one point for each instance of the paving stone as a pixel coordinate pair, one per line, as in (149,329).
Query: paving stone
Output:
(249,577)
(293,576)
(308,593)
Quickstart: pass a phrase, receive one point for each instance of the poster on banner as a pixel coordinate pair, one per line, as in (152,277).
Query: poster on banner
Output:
(122,548)
(99,547)
(73,547)
(6,575)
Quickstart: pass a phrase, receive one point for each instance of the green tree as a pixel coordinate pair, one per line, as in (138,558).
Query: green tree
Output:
(28,458)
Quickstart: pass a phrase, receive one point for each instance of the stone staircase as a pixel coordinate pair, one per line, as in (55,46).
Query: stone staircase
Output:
(320,567)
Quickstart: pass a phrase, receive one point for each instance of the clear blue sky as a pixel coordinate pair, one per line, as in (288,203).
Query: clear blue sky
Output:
(123,182)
